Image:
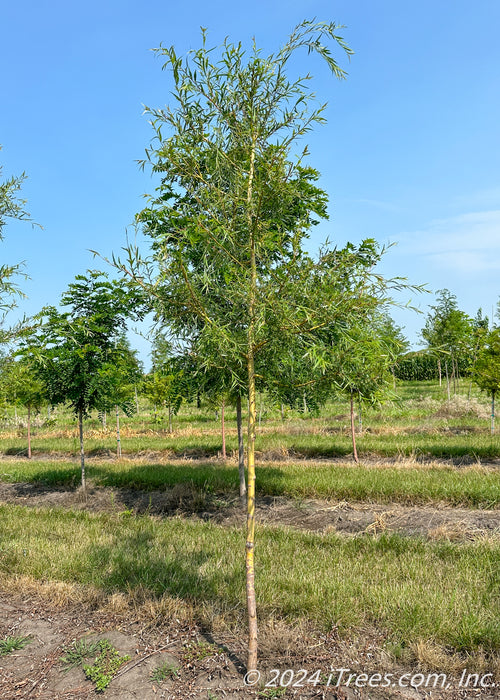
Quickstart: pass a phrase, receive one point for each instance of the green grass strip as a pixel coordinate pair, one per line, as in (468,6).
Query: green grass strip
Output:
(408,588)
(468,487)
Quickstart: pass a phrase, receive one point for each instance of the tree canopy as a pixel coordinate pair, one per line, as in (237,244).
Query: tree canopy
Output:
(11,207)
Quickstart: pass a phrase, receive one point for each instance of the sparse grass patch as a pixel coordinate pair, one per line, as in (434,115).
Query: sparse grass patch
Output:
(163,672)
(105,660)
(78,653)
(198,651)
(10,644)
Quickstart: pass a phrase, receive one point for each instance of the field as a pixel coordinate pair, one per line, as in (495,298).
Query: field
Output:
(389,566)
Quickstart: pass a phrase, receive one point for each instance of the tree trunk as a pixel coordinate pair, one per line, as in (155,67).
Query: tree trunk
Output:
(82,453)
(304,402)
(250,543)
(439,372)
(169,417)
(29,432)
(492,412)
(241,450)
(136,400)
(118,440)
(103,419)
(223,428)
(447,381)
(353,431)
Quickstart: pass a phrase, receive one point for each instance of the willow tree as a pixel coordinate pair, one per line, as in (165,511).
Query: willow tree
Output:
(230,215)
(11,207)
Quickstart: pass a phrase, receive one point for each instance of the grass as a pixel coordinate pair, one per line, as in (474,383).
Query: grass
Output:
(411,589)
(10,644)
(163,672)
(421,421)
(456,440)
(105,661)
(472,486)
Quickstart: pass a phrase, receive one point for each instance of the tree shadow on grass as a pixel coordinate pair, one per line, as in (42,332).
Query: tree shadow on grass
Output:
(137,560)
(207,477)
(67,476)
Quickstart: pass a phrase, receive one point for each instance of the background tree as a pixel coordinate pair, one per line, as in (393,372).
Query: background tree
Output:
(355,355)
(487,369)
(11,207)
(480,325)
(168,384)
(448,333)
(24,388)
(363,372)
(121,377)
(74,351)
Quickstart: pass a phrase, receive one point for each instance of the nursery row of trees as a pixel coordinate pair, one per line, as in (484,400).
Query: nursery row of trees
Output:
(457,346)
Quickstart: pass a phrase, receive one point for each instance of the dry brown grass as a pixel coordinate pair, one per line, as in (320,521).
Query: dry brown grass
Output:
(431,656)
(460,406)
(56,594)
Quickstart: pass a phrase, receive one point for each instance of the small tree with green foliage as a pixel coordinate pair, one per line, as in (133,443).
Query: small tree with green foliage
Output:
(121,378)
(75,352)
(448,333)
(24,388)
(487,369)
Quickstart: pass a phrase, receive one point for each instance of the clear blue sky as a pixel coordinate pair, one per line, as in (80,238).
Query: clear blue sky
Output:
(410,154)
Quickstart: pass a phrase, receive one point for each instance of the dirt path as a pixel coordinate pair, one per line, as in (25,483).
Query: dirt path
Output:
(435,522)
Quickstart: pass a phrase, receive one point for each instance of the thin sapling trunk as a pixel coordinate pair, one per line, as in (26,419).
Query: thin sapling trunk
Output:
(82,452)
(250,542)
(118,439)
(353,431)
(29,432)
(241,450)
(223,428)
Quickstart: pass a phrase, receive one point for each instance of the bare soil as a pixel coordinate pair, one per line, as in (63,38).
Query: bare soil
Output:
(205,667)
